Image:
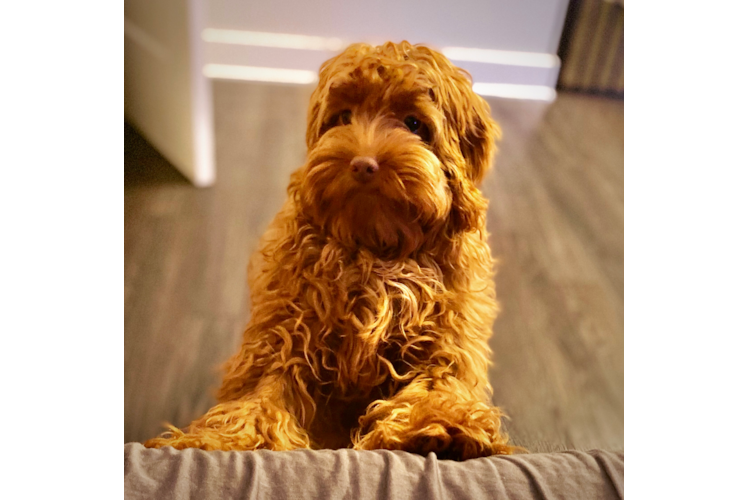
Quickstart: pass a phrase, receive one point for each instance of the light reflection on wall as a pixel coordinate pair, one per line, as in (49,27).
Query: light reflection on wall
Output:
(316,43)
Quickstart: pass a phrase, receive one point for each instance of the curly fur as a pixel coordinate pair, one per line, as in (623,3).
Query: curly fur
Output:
(372,305)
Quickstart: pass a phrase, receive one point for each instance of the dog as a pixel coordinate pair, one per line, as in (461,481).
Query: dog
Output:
(372,293)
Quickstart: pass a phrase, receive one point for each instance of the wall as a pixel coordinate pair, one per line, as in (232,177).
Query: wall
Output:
(166,96)
(525,26)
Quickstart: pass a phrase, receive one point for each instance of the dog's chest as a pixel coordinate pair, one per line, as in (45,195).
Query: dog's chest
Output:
(372,322)
(378,301)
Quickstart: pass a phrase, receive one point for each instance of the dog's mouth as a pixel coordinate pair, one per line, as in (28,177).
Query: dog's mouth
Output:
(389,214)
(366,218)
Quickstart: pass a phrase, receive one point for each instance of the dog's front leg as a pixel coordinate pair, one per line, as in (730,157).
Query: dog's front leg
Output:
(442,415)
(260,419)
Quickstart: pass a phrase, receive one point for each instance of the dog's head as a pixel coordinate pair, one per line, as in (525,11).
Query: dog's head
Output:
(398,142)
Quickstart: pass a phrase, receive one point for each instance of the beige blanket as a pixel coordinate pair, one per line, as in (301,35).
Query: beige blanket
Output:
(341,474)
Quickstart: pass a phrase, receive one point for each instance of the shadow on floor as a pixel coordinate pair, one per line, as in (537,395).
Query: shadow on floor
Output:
(144,165)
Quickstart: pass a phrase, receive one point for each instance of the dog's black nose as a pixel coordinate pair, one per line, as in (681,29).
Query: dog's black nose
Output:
(364,168)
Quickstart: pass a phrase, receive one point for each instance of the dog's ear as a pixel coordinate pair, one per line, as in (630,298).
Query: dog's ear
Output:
(470,137)
(478,134)
(468,115)
(327,73)
(317,102)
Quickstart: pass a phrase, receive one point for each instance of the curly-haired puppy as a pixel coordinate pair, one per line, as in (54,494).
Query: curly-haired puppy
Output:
(372,292)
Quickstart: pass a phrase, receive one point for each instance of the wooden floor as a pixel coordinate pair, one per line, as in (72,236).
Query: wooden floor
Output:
(556,223)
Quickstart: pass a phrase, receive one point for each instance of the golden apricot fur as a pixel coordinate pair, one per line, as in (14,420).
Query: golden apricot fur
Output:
(372,292)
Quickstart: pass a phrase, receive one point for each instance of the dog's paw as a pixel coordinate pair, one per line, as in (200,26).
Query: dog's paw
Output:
(446,441)
(450,432)
(180,440)
(242,425)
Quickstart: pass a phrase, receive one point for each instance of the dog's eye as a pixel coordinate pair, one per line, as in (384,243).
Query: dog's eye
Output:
(418,127)
(413,124)
(342,118)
